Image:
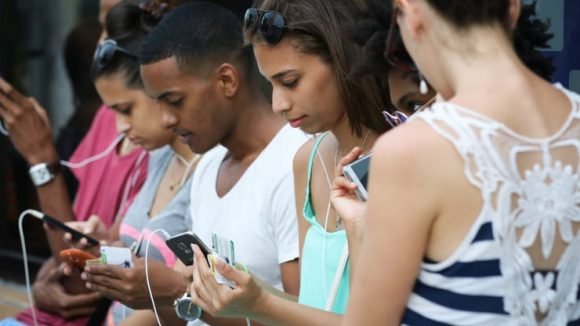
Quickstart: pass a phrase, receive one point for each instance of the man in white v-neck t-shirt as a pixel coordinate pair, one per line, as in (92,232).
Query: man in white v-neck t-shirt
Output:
(258,213)
(209,91)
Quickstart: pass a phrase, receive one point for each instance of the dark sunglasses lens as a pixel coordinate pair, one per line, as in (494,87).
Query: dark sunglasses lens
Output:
(103,56)
(107,54)
(272,27)
(250,18)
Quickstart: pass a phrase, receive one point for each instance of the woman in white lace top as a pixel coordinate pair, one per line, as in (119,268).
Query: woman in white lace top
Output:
(474,205)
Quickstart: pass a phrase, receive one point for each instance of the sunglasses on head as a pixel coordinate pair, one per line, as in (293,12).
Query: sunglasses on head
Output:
(105,53)
(271,24)
(397,56)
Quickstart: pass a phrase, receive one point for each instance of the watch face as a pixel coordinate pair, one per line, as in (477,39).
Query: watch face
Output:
(41,174)
(186,310)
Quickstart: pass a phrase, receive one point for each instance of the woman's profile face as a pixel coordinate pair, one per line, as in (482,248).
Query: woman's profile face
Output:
(137,115)
(404,91)
(304,87)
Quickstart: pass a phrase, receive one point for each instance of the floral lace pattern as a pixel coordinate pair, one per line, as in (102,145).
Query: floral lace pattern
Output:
(550,199)
(533,207)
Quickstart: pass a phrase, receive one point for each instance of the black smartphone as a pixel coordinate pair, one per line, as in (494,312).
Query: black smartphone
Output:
(181,247)
(76,235)
(358,172)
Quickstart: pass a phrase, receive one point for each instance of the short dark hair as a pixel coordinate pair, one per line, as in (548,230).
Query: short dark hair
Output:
(200,35)
(530,35)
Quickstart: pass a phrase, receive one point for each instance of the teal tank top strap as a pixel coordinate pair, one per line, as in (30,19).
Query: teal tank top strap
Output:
(308,211)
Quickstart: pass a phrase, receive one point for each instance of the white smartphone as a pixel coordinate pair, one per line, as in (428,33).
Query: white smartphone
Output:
(358,172)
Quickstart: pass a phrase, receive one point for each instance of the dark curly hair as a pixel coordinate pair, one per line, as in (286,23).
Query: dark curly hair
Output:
(371,30)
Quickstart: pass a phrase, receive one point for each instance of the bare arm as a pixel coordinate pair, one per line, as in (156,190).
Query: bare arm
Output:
(300,166)
(397,231)
(30,132)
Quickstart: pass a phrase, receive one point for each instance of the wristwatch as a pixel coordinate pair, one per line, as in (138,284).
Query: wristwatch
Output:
(43,173)
(185,309)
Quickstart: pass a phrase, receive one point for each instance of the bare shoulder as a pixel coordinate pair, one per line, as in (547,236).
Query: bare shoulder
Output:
(301,158)
(414,144)
(414,155)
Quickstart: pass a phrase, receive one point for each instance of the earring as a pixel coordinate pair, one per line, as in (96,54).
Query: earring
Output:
(423,87)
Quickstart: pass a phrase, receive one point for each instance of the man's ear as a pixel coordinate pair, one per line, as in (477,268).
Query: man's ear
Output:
(229,79)
(412,16)
(515,11)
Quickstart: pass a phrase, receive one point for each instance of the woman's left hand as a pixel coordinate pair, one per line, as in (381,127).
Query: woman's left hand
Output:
(129,285)
(343,197)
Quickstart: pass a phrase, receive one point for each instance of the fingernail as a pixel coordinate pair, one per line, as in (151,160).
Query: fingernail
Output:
(88,285)
(83,276)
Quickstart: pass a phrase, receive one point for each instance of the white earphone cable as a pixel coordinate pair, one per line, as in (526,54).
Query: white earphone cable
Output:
(3,129)
(324,285)
(89,160)
(38,215)
(167,236)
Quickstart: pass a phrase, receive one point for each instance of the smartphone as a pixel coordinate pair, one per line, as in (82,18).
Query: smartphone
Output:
(358,172)
(181,247)
(76,257)
(76,235)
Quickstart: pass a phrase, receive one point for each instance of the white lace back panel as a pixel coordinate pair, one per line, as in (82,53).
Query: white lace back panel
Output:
(531,194)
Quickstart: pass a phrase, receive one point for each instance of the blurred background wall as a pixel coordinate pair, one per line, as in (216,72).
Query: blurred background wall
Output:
(32,35)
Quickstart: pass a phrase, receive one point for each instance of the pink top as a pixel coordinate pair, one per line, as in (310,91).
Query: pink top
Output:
(107,186)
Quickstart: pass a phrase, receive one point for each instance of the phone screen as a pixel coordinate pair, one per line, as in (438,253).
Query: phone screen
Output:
(181,247)
(361,169)
(358,172)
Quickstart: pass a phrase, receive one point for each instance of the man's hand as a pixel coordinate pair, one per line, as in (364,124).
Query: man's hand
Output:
(28,125)
(49,294)
(129,286)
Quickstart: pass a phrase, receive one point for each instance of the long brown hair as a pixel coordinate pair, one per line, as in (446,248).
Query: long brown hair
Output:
(316,27)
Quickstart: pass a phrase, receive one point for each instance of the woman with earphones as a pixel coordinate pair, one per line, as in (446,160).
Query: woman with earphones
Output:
(164,199)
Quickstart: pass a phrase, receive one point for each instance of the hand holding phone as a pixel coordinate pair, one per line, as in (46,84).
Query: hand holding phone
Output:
(181,247)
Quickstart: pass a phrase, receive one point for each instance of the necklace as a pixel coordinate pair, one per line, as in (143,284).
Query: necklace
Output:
(337,152)
(188,165)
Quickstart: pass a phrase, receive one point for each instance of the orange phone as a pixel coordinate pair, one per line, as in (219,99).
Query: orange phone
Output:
(76,257)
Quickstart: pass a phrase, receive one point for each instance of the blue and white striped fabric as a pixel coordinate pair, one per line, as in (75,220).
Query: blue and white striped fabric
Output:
(466,289)
(491,278)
